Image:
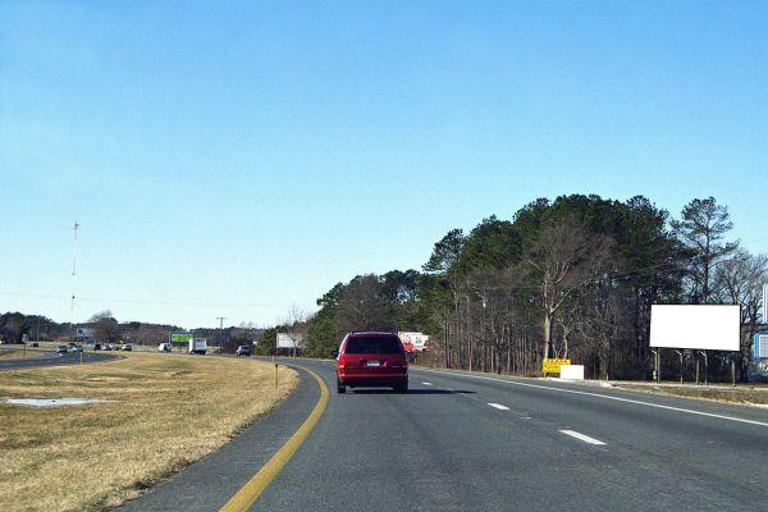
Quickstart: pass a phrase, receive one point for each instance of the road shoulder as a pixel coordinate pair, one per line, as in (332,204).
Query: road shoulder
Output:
(209,483)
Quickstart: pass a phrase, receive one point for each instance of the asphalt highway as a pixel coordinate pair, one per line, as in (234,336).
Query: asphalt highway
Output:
(460,442)
(54,359)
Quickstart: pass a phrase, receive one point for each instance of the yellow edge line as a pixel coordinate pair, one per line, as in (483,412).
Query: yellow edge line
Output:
(250,492)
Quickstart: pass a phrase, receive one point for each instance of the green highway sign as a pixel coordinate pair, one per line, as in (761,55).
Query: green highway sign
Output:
(179,338)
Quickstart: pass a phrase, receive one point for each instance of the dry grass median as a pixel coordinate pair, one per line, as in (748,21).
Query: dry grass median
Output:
(161,412)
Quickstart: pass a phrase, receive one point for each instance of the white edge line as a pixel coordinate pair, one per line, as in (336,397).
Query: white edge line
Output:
(427,383)
(583,437)
(607,397)
(498,406)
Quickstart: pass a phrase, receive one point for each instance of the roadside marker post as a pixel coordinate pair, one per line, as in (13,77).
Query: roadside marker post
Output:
(276,379)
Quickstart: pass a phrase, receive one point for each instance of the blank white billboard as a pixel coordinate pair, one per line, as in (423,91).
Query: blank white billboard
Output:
(289,340)
(701,327)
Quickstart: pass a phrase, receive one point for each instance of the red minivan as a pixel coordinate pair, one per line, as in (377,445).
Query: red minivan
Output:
(371,359)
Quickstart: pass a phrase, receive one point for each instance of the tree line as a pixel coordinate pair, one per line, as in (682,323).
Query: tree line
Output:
(105,328)
(570,278)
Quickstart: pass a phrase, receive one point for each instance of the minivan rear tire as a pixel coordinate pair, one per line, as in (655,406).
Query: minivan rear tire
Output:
(340,388)
(402,387)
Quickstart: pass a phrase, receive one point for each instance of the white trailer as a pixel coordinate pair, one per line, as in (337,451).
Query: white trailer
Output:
(198,346)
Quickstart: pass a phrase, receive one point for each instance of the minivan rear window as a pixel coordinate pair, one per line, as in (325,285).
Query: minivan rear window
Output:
(374,345)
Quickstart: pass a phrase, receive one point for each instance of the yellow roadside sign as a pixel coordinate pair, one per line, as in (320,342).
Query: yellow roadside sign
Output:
(553,365)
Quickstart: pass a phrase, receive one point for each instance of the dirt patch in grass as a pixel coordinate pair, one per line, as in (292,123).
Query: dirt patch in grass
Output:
(162,412)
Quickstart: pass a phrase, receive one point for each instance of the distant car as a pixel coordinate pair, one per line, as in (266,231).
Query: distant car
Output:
(164,347)
(97,346)
(77,348)
(127,347)
(110,346)
(34,344)
(244,350)
(62,349)
(71,344)
(371,359)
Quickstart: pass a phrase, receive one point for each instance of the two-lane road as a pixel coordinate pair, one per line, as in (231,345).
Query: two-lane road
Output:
(54,359)
(477,442)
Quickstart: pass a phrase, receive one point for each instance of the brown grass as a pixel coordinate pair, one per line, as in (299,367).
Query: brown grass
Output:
(164,412)
(739,394)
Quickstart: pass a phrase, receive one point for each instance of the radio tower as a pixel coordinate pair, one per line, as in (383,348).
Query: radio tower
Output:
(74,271)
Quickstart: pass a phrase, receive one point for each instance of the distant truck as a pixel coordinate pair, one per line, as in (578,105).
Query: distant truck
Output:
(413,341)
(198,346)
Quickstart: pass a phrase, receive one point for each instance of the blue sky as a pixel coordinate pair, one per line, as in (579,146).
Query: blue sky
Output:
(235,158)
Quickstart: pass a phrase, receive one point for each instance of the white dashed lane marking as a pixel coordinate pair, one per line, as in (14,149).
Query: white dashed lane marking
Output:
(498,406)
(582,437)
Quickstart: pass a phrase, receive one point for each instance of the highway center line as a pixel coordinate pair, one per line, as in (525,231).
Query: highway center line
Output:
(582,437)
(250,492)
(607,397)
(498,406)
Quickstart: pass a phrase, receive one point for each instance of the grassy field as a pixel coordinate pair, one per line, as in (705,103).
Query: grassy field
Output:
(161,413)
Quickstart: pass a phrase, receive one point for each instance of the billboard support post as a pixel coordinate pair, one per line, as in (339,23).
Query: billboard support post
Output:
(680,353)
(706,367)
(733,371)
(697,371)
(655,353)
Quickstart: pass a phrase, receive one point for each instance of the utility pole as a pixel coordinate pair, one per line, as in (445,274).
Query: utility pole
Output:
(221,330)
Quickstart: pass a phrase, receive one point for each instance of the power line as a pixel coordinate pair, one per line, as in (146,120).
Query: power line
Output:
(162,302)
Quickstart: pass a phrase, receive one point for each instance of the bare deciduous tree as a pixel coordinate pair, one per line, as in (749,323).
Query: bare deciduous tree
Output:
(565,258)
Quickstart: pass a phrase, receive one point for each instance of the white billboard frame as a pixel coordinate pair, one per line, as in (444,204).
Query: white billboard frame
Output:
(696,326)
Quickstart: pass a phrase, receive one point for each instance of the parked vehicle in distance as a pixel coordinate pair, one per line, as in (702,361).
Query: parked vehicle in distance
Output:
(110,346)
(34,344)
(62,349)
(198,346)
(97,346)
(77,348)
(127,347)
(164,347)
(244,350)
(371,359)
